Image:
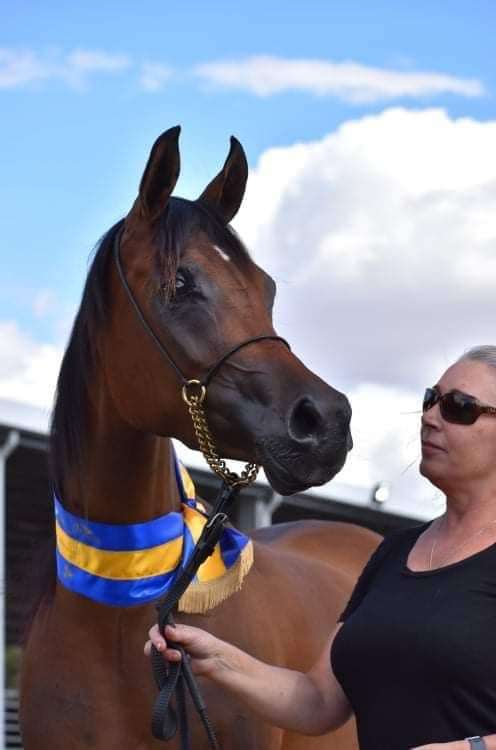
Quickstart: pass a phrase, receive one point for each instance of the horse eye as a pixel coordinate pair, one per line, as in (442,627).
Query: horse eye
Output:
(183,283)
(183,286)
(181,280)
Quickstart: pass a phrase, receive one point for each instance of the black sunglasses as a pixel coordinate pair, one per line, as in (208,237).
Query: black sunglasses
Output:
(456,407)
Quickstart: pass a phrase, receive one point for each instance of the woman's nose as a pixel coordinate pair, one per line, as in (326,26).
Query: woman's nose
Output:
(431,417)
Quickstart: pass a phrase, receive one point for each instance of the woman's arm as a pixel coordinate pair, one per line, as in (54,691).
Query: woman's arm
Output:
(309,703)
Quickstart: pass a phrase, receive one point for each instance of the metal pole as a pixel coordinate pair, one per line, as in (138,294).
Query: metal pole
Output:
(11,443)
(264,510)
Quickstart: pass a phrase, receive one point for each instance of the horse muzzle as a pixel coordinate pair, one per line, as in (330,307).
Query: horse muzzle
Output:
(312,450)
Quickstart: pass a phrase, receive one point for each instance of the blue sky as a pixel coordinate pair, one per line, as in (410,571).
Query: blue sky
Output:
(85,88)
(72,157)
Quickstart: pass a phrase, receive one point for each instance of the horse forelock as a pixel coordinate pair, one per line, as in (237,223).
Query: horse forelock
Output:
(179,223)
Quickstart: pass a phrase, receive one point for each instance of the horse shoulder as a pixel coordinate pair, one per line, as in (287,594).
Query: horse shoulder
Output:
(302,576)
(343,546)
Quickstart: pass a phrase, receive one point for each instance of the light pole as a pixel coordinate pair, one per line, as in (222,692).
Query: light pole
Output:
(380,493)
(10,444)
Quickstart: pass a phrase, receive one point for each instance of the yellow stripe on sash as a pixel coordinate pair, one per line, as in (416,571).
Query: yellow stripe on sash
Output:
(120,565)
(214,566)
(188,486)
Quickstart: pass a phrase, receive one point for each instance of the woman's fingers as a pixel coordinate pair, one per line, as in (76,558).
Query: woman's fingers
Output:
(203,649)
(196,641)
(158,640)
(171,654)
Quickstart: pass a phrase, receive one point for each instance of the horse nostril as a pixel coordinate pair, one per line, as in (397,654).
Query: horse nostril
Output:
(307,423)
(305,420)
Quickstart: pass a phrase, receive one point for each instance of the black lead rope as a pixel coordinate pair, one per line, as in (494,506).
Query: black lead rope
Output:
(177,677)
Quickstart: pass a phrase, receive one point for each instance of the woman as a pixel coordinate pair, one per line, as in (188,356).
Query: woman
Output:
(413,654)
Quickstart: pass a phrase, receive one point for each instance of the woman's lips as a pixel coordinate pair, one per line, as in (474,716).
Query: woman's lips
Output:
(428,447)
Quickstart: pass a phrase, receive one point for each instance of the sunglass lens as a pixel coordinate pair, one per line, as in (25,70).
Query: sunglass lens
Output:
(458,408)
(431,396)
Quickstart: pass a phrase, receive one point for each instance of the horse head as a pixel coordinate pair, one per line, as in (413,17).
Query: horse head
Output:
(201,295)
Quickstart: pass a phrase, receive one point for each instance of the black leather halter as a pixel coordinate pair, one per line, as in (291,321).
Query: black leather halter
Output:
(183,380)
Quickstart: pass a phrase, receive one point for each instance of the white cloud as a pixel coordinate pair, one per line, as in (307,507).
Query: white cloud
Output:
(261,75)
(23,67)
(18,67)
(96,61)
(386,423)
(382,237)
(28,369)
(154,76)
(265,75)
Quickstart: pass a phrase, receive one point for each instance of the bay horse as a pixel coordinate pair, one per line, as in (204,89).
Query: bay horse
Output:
(85,680)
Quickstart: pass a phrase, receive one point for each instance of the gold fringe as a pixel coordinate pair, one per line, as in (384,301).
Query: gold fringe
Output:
(200,597)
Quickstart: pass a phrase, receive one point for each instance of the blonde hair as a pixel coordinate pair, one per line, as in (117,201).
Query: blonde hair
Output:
(485,353)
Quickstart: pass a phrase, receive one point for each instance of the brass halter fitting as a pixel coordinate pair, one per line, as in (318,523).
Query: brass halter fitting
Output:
(194,394)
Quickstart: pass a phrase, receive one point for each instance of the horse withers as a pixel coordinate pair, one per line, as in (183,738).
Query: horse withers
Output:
(85,680)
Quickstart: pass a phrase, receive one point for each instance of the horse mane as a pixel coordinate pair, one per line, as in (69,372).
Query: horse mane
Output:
(180,221)
(69,416)
(68,420)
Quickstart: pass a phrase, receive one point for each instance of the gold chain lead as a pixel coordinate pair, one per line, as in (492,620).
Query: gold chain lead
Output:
(194,401)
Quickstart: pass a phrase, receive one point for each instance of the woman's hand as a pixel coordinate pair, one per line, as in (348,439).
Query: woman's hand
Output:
(267,690)
(204,650)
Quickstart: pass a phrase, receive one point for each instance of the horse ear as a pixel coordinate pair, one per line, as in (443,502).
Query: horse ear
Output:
(160,175)
(225,193)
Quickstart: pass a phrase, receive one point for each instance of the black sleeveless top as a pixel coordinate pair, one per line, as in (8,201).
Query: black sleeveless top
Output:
(416,655)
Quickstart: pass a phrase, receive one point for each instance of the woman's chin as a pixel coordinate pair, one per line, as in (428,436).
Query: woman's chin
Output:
(433,473)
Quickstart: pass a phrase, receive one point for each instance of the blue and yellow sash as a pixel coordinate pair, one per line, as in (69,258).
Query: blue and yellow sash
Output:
(130,564)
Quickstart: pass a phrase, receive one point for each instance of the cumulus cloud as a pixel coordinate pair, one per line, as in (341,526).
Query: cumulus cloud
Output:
(154,76)
(382,237)
(265,75)
(20,68)
(28,368)
(385,428)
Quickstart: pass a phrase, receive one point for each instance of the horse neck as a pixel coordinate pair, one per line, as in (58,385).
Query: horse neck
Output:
(126,475)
